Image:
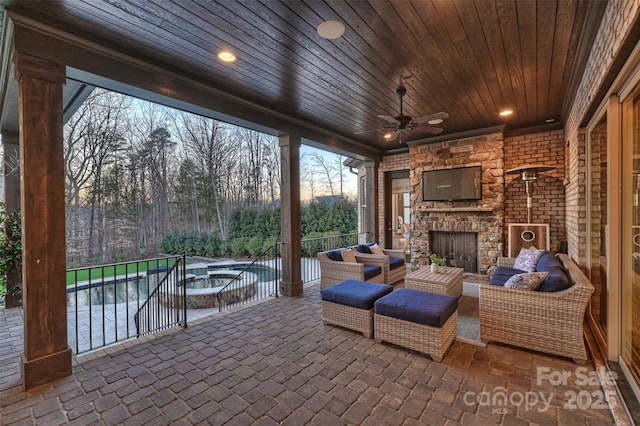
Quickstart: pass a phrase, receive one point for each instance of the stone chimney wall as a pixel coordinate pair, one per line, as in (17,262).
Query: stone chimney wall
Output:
(486,216)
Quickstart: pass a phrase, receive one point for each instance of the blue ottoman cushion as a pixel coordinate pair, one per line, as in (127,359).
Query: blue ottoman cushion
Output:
(355,293)
(417,306)
(395,262)
(371,271)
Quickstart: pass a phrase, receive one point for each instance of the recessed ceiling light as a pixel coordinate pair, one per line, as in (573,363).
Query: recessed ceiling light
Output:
(436,121)
(506,113)
(226,56)
(388,135)
(330,29)
(549,120)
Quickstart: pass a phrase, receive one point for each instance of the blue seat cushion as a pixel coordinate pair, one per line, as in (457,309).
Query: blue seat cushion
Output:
(364,248)
(395,262)
(335,255)
(502,274)
(417,306)
(371,271)
(355,293)
(557,279)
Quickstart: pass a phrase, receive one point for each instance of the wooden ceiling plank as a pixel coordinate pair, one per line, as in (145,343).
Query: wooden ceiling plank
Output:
(278,88)
(290,70)
(570,15)
(334,89)
(488,17)
(336,65)
(477,47)
(508,22)
(354,54)
(544,53)
(431,72)
(248,74)
(527,25)
(454,41)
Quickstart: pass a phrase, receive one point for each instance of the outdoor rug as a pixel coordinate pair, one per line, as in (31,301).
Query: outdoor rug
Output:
(468,315)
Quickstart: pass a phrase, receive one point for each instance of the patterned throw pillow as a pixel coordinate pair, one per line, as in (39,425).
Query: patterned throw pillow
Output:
(375,249)
(528,259)
(529,281)
(348,256)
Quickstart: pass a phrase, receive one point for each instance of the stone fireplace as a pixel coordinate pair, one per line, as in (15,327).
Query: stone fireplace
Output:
(483,219)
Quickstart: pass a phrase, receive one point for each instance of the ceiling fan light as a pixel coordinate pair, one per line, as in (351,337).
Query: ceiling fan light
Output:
(388,135)
(331,29)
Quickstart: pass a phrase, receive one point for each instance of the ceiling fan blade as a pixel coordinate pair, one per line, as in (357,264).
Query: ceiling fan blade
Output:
(389,118)
(435,116)
(431,129)
(371,131)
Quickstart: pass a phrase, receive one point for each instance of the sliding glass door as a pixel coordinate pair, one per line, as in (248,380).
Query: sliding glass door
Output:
(630,309)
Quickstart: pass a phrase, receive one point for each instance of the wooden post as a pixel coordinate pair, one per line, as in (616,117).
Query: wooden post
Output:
(46,356)
(12,204)
(372,208)
(291,283)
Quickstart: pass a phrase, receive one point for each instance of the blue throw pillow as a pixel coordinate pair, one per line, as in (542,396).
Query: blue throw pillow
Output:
(335,255)
(503,274)
(557,279)
(364,248)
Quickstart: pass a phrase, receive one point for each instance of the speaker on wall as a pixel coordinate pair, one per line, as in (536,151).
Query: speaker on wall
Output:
(525,235)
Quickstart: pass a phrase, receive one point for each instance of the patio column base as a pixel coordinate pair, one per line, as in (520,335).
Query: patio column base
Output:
(46,369)
(291,288)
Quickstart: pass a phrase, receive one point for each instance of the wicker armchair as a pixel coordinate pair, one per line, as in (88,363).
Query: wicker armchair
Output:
(391,276)
(550,322)
(335,271)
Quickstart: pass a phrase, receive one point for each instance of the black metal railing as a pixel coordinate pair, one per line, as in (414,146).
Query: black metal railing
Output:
(102,301)
(312,246)
(166,306)
(257,280)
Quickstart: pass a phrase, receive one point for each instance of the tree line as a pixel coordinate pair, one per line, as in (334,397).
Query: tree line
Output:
(136,172)
(253,231)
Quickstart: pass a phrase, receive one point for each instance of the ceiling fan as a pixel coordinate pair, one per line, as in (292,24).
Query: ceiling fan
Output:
(404,122)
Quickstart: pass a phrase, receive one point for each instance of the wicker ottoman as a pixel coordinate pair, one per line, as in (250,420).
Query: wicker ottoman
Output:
(349,304)
(423,322)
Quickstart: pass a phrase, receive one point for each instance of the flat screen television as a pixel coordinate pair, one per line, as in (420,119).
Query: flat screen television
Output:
(463,183)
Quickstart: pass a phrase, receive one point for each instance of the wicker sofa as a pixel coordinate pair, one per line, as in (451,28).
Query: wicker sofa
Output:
(550,322)
(335,271)
(394,269)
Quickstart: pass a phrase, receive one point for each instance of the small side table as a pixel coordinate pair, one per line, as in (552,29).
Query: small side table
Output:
(447,281)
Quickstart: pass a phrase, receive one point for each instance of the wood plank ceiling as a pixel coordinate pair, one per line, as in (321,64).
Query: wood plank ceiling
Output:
(470,59)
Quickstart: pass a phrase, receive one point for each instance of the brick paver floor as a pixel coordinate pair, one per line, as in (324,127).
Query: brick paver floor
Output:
(276,363)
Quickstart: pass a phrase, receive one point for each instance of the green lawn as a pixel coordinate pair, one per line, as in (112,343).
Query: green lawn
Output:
(97,272)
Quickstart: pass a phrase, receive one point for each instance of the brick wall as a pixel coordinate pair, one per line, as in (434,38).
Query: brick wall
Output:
(618,18)
(548,194)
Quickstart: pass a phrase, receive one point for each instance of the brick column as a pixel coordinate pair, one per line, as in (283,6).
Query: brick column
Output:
(46,356)
(291,283)
(12,202)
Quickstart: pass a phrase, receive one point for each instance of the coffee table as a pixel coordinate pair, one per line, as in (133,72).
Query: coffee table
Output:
(448,281)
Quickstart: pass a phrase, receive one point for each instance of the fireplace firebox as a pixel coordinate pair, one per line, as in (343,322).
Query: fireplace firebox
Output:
(459,249)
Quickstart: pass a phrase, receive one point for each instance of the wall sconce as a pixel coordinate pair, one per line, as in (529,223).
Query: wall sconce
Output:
(529,174)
